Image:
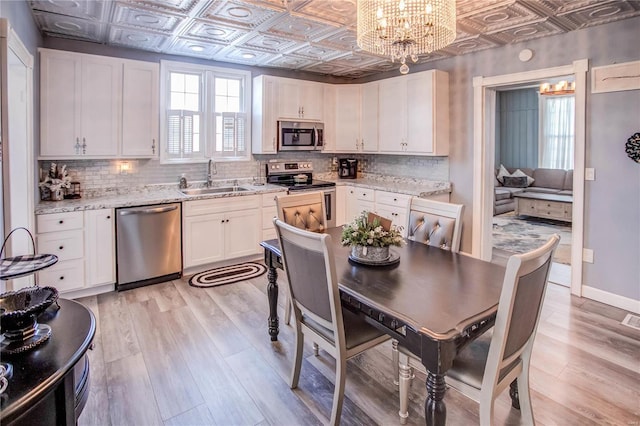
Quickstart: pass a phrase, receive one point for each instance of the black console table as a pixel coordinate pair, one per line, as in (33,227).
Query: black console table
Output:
(50,384)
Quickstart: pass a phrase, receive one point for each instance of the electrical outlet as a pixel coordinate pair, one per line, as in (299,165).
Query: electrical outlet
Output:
(587,255)
(589,173)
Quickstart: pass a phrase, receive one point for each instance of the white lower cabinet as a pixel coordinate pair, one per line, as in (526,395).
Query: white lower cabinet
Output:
(268,213)
(220,229)
(85,245)
(395,207)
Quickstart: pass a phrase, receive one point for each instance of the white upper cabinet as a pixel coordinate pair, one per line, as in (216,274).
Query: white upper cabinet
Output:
(140,110)
(264,128)
(299,99)
(81,98)
(97,107)
(356,117)
(414,114)
(347,119)
(369,98)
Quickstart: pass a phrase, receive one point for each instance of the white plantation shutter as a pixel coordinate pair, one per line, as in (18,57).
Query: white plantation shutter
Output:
(233,134)
(182,133)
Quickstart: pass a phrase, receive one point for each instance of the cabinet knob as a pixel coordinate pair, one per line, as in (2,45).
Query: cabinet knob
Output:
(108,217)
(61,247)
(61,277)
(61,222)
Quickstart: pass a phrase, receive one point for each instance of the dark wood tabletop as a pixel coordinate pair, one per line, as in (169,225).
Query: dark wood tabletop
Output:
(433,301)
(43,389)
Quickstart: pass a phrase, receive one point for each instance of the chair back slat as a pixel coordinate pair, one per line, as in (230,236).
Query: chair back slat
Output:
(435,223)
(529,293)
(523,290)
(305,210)
(307,278)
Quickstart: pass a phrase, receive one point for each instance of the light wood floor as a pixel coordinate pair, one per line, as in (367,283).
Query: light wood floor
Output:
(178,355)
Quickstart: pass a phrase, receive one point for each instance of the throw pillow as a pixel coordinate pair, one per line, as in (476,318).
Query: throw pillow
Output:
(515,181)
(520,173)
(502,173)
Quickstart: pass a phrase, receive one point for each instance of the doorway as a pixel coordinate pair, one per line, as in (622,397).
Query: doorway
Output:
(485,89)
(534,136)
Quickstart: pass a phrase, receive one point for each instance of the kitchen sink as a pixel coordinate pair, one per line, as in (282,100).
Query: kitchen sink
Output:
(220,190)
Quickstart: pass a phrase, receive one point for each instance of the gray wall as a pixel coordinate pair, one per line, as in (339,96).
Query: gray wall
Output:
(517,128)
(612,227)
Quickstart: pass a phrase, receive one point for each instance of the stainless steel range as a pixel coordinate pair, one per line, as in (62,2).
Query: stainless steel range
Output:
(297,176)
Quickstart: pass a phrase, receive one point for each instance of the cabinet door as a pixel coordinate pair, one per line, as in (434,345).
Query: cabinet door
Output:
(101,106)
(369,117)
(60,104)
(264,115)
(341,205)
(288,103)
(348,118)
(99,250)
(243,232)
(419,136)
(393,115)
(203,239)
(311,98)
(140,110)
(351,207)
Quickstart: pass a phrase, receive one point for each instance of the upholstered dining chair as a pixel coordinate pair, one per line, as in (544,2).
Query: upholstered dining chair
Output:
(489,365)
(305,210)
(434,223)
(313,286)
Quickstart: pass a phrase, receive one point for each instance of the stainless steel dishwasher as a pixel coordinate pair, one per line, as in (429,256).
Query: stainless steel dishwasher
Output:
(148,244)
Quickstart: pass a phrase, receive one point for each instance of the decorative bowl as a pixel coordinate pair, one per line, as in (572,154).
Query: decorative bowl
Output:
(17,308)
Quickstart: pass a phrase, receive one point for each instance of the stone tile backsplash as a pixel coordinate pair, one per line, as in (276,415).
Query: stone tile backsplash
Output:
(99,176)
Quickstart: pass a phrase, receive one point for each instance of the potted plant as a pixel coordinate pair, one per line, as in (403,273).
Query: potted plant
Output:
(370,237)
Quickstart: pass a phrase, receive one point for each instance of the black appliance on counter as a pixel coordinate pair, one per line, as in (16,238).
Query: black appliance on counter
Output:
(347,168)
(290,174)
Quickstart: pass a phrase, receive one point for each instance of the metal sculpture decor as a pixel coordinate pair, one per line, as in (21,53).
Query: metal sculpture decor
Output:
(632,147)
(406,28)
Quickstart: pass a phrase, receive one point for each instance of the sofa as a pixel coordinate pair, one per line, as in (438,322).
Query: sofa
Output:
(545,181)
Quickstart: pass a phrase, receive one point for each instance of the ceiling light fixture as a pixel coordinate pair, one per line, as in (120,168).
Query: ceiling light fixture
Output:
(560,88)
(406,28)
(196,48)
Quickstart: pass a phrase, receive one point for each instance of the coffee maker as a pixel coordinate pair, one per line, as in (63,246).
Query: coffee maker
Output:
(347,168)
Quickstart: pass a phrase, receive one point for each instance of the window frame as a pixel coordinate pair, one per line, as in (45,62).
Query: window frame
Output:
(208,130)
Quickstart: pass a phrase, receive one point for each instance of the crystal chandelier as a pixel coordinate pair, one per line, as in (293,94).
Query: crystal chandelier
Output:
(405,29)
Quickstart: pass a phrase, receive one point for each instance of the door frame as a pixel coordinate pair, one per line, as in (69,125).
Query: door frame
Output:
(484,89)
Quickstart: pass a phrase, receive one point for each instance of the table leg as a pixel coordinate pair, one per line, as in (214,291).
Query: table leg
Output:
(435,410)
(272,293)
(513,393)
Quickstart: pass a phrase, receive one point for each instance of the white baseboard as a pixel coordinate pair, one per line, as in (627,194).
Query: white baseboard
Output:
(621,302)
(90,291)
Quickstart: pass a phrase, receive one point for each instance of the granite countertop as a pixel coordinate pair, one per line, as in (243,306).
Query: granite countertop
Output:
(400,185)
(158,194)
(147,195)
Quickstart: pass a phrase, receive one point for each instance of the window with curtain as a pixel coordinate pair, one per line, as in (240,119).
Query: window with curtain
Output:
(205,113)
(557,132)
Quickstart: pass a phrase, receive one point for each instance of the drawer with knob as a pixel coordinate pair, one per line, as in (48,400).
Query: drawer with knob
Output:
(59,222)
(64,276)
(66,245)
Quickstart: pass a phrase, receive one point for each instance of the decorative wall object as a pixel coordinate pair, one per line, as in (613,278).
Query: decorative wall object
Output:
(615,78)
(632,147)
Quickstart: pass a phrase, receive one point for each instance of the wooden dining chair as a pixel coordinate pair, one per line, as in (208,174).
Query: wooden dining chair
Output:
(489,365)
(313,285)
(305,210)
(438,224)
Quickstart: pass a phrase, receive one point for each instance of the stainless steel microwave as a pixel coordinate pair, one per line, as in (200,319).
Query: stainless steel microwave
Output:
(300,136)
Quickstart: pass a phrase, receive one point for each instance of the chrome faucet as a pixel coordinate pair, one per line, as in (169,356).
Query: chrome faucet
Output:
(211,170)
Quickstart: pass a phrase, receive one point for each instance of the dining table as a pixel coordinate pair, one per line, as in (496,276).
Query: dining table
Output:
(433,301)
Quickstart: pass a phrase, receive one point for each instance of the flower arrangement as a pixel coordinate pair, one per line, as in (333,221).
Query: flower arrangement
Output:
(371,230)
(56,179)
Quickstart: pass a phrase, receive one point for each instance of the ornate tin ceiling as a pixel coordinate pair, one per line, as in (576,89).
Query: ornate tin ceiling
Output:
(311,35)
